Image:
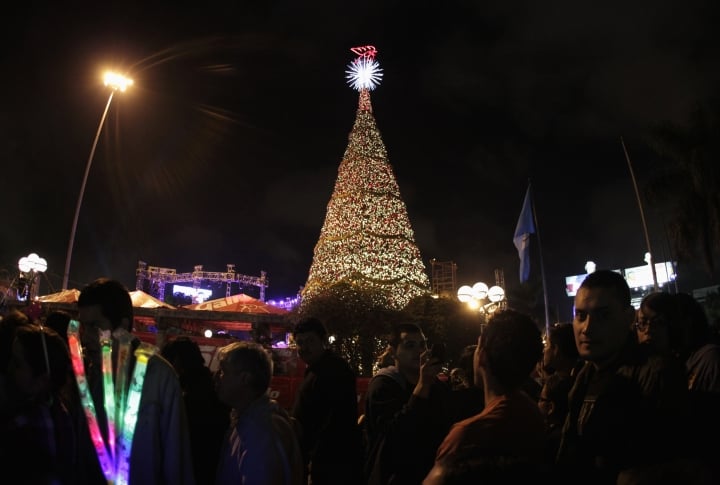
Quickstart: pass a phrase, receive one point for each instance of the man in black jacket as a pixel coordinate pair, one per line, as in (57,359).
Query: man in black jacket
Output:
(627,410)
(326,410)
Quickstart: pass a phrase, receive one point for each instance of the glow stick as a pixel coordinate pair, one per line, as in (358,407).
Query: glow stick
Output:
(142,354)
(108,388)
(123,363)
(87,402)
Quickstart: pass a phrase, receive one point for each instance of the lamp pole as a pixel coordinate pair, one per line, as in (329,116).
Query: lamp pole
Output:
(30,267)
(651,262)
(115,82)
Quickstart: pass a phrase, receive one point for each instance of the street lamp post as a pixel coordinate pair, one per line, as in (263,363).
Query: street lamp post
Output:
(115,82)
(481,298)
(30,267)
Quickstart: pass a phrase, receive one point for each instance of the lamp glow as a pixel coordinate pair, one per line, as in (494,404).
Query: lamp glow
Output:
(480,291)
(465,293)
(117,81)
(495,294)
(481,298)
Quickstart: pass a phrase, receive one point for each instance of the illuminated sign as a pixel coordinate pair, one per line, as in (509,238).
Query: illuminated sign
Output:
(641,276)
(636,277)
(572,283)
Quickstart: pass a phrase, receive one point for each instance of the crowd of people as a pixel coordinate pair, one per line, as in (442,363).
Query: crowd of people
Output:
(618,396)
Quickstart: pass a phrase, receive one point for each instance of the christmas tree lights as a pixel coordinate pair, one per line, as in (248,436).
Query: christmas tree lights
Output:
(367,239)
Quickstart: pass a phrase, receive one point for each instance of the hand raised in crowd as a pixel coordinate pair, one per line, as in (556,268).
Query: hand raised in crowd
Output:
(430,367)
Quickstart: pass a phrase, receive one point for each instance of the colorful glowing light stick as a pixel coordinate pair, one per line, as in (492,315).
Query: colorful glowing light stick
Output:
(120,405)
(142,354)
(108,388)
(96,436)
(123,337)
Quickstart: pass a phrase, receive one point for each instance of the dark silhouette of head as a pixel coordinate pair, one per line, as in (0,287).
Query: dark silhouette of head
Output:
(605,278)
(184,354)
(59,320)
(8,327)
(112,297)
(310,324)
(512,345)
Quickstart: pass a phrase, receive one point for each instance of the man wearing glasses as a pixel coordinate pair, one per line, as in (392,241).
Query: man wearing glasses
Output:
(657,326)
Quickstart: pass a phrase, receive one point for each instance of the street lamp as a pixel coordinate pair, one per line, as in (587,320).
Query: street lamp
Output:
(30,267)
(114,81)
(481,298)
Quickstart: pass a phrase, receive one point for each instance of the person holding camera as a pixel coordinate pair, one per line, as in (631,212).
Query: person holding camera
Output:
(406,413)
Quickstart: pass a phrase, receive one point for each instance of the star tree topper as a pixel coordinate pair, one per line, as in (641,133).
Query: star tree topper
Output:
(364,71)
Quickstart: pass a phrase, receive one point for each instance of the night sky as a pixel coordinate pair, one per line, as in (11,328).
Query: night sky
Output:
(226,148)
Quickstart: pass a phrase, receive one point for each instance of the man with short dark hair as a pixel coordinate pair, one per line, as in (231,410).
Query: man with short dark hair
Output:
(626,408)
(510,426)
(160,452)
(406,412)
(326,409)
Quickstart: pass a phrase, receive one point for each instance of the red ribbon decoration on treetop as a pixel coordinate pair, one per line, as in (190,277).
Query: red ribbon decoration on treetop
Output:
(366,51)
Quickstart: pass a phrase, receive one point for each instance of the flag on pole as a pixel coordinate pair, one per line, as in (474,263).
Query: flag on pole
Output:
(521,239)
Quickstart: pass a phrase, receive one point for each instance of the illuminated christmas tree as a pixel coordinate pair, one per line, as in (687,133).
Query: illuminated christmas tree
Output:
(367,240)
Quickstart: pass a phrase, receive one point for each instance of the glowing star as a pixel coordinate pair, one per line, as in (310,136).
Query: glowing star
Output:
(364,73)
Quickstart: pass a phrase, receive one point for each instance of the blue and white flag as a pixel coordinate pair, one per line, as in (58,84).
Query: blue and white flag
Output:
(521,239)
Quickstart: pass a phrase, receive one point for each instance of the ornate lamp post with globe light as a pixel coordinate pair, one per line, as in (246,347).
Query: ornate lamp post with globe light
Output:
(115,82)
(481,298)
(30,267)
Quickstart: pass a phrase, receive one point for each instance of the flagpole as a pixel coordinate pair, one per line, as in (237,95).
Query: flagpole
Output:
(542,265)
(642,216)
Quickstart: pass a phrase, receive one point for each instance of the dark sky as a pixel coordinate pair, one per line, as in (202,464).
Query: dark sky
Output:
(226,148)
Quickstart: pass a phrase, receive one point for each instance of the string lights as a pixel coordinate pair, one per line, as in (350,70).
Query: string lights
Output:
(367,239)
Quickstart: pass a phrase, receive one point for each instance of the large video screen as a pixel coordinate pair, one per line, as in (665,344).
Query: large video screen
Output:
(198,295)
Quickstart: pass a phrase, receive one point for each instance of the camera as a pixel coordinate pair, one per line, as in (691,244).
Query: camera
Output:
(437,351)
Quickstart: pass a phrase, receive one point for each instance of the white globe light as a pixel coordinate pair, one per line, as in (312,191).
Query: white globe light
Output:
(480,290)
(465,293)
(39,264)
(208,333)
(24,264)
(496,294)
(32,262)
